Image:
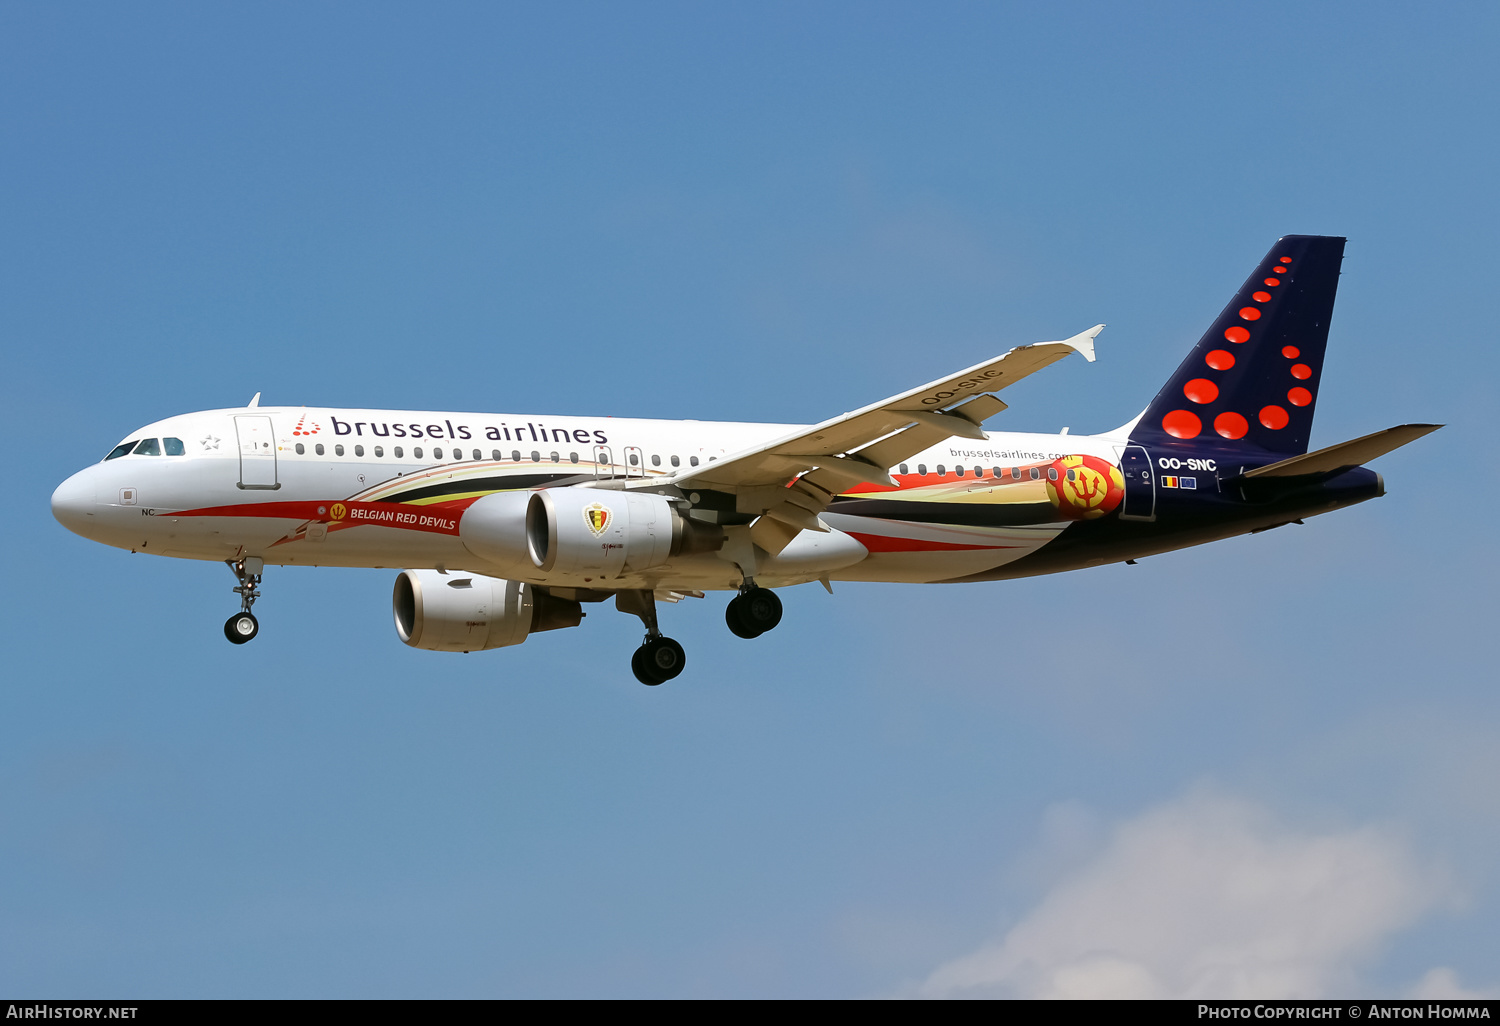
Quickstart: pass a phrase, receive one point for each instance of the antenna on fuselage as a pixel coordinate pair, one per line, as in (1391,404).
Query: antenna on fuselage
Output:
(254,402)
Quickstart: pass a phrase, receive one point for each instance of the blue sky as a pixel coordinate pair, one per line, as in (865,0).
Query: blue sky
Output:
(1280,750)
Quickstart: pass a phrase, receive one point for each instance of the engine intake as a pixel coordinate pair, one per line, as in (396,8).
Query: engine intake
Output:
(470,612)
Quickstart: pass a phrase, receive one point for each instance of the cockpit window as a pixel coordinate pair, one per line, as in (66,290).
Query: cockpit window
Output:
(148,447)
(173,446)
(121,450)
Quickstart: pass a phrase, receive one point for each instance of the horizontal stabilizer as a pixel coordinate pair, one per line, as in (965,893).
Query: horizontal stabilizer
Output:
(1345,454)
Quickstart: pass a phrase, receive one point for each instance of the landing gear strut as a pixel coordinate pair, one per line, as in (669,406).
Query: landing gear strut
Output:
(753,611)
(659,658)
(242,626)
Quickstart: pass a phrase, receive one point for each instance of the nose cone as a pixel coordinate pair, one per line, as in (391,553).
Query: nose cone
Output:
(73,502)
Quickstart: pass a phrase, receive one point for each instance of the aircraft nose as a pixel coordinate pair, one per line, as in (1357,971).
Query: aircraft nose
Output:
(73,502)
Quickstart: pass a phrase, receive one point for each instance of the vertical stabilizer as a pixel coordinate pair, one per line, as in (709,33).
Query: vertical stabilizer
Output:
(1253,379)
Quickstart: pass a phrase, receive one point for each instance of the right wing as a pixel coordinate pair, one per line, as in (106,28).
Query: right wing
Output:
(792,479)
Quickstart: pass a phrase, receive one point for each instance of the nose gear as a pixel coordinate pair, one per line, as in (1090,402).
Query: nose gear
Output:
(243,626)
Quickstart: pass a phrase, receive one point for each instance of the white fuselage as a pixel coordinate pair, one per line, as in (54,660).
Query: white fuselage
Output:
(373,488)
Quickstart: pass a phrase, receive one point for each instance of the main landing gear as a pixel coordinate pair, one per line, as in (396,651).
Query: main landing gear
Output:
(753,611)
(242,626)
(659,658)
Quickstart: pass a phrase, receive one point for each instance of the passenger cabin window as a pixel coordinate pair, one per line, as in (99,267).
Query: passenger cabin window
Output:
(941,470)
(904,470)
(922,469)
(318,448)
(301,449)
(1036,475)
(338,450)
(148,447)
(555,457)
(1072,475)
(997,471)
(959,471)
(478,455)
(676,462)
(359,450)
(1051,473)
(437,453)
(573,457)
(495,455)
(121,450)
(379,451)
(692,461)
(635,460)
(397,452)
(536,457)
(655,460)
(515,454)
(416,452)
(173,446)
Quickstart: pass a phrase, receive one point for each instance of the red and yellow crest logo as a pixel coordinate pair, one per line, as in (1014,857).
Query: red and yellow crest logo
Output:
(597,517)
(337,511)
(1084,487)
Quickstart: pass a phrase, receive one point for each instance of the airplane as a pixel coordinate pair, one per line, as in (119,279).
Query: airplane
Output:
(505,526)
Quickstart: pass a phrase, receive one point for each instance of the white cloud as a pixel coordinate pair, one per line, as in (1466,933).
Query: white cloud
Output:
(1208,896)
(1442,985)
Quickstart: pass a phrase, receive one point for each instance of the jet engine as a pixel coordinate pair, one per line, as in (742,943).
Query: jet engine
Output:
(591,531)
(461,612)
(594,532)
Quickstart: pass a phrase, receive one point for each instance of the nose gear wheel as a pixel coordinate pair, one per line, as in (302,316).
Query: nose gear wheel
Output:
(241,627)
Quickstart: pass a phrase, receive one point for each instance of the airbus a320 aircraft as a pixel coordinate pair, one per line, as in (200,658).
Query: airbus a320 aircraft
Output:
(509,525)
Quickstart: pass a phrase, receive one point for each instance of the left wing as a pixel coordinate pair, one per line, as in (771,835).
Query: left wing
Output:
(789,481)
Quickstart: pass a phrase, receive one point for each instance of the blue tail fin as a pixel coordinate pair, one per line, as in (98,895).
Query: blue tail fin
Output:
(1253,379)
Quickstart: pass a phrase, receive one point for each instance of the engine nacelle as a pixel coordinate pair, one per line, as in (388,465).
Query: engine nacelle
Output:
(582,532)
(461,612)
(602,533)
(494,529)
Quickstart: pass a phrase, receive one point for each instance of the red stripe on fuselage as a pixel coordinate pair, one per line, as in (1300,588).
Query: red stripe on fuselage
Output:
(437,517)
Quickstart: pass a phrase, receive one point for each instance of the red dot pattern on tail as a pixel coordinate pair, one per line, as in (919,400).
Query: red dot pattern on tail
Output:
(1182,424)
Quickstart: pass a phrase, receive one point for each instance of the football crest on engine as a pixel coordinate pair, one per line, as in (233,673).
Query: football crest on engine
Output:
(597,517)
(1084,487)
